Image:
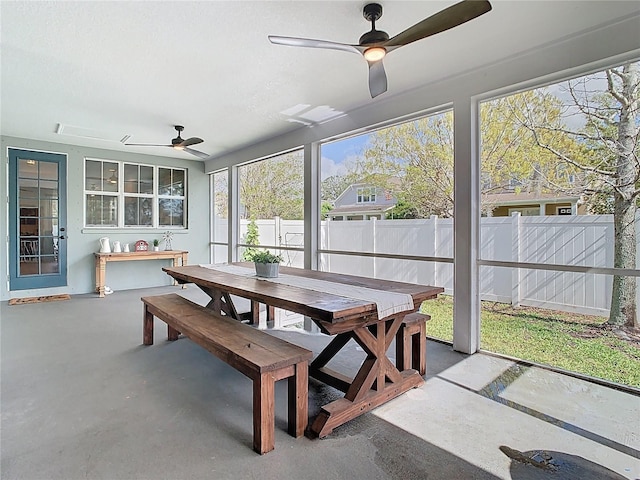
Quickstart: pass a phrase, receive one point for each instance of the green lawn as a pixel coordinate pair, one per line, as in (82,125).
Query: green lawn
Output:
(565,340)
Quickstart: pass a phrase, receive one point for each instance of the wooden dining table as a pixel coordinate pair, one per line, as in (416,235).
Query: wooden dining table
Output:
(342,316)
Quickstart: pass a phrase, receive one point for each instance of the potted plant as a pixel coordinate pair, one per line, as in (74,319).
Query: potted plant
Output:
(156,244)
(267,264)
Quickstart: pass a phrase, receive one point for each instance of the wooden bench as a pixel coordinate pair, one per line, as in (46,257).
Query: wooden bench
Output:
(263,358)
(411,343)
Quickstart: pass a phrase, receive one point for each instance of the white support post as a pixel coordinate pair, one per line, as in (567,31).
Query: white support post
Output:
(233,216)
(466,311)
(311,214)
(434,250)
(515,257)
(374,232)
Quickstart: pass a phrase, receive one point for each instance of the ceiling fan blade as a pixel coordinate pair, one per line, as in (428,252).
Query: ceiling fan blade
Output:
(196,153)
(377,78)
(146,145)
(191,141)
(448,18)
(311,43)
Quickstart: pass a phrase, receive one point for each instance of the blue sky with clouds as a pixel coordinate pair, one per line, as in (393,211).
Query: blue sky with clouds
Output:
(335,154)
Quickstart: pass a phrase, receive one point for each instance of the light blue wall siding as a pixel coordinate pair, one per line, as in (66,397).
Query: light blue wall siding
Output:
(83,242)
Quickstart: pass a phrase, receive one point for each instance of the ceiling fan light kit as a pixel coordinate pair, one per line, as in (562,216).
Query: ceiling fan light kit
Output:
(374,45)
(374,54)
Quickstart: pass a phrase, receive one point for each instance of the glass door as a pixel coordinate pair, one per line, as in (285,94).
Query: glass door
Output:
(37,220)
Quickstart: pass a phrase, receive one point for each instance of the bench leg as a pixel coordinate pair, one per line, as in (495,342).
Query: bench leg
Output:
(298,404)
(264,415)
(147,327)
(403,350)
(411,347)
(419,351)
(172,333)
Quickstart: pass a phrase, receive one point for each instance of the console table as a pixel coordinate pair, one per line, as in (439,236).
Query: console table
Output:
(102,258)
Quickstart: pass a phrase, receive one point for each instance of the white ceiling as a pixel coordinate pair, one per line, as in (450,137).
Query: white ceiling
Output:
(116,68)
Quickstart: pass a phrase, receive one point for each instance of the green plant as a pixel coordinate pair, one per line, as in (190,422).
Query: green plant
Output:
(251,238)
(156,242)
(265,256)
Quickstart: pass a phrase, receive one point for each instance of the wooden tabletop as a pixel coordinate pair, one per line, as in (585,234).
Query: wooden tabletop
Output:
(141,253)
(317,305)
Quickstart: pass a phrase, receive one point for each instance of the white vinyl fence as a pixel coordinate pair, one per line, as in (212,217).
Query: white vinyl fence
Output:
(562,240)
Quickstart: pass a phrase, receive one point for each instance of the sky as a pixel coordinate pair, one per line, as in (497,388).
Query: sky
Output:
(335,154)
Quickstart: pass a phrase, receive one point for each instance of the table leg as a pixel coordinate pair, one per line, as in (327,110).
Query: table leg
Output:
(147,326)
(221,302)
(377,381)
(101,265)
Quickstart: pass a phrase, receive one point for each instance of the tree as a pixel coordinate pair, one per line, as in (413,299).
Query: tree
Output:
(420,154)
(402,210)
(608,159)
(273,187)
(333,186)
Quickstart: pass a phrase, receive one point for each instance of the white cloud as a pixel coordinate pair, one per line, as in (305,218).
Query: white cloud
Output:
(330,167)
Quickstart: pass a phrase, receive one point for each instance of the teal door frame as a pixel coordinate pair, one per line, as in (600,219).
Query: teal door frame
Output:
(56,237)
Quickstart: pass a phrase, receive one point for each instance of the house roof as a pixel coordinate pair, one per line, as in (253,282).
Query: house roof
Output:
(361,208)
(526,198)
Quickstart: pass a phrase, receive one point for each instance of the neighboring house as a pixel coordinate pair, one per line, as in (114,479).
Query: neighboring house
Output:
(530,204)
(361,201)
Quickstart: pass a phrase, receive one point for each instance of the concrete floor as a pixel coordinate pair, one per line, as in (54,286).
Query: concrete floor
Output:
(81,398)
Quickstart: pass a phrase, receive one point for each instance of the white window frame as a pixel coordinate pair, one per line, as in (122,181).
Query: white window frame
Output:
(366,192)
(159,197)
(121,196)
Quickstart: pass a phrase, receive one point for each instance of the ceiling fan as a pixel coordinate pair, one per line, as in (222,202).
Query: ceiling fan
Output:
(178,143)
(375,44)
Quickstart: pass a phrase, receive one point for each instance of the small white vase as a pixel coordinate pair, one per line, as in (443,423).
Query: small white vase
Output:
(156,249)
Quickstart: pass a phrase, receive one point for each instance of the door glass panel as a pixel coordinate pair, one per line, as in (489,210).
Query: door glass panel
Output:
(38,203)
(28,169)
(47,226)
(48,171)
(49,264)
(28,188)
(48,189)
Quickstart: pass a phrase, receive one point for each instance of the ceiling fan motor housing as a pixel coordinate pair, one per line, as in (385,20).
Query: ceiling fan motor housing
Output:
(373,36)
(372,12)
(178,140)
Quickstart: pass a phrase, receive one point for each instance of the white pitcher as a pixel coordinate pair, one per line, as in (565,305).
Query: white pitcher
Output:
(105,247)
(116,247)
(125,247)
